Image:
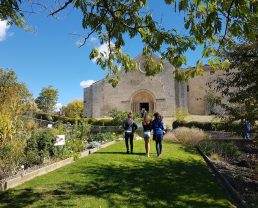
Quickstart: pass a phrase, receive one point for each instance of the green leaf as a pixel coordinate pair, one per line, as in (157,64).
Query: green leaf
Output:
(225,64)
(202,8)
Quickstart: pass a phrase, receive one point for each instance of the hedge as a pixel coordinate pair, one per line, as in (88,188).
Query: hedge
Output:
(209,126)
(63,119)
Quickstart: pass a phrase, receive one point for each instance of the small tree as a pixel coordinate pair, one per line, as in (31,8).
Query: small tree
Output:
(239,84)
(74,109)
(118,116)
(14,101)
(47,99)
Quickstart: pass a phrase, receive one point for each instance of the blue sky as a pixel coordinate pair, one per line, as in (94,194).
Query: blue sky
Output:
(50,56)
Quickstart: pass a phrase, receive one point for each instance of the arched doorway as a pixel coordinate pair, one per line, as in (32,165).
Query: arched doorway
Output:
(143,99)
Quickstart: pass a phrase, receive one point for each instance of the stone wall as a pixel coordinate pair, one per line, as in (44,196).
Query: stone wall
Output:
(199,90)
(181,95)
(93,99)
(88,101)
(102,97)
(197,95)
(162,92)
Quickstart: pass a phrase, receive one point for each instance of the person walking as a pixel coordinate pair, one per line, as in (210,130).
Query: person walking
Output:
(147,127)
(246,129)
(129,126)
(158,130)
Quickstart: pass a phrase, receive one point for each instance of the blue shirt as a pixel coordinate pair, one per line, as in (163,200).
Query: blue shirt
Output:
(157,127)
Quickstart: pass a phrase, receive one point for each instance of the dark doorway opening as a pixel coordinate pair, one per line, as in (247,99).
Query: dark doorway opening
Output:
(145,106)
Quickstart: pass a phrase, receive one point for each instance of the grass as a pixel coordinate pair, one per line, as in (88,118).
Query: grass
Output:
(111,178)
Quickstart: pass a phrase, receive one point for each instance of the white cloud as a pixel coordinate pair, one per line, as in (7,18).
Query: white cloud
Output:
(86,83)
(58,107)
(78,43)
(93,39)
(3,29)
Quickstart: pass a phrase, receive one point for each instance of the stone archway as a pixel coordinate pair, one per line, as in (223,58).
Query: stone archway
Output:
(143,99)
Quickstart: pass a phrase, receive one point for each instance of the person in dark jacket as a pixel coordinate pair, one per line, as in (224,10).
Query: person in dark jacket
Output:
(129,126)
(147,127)
(246,129)
(158,130)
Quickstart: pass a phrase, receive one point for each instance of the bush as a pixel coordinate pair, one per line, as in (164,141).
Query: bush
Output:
(180,114)
(105,122)
(12,143)
(118,116)
(72,148)
(32,158)
(227,150)
(11,157)
(42,143)
(201,125)
(40,146)
(209,126)
(66,120)
(189,136)
(101,137)
(80,130)
(138,120)
(92,121)
(45,116)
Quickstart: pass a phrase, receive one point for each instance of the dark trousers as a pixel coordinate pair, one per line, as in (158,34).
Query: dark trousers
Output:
(129,136)
(158,140)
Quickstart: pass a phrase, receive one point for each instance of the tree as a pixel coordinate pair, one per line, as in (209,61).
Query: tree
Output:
(10,11)
(74,109)
(210,24)
(14,101)
(239,84)
(15,98)
(47,99)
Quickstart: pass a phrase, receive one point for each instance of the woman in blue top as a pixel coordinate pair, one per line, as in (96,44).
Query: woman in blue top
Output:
(158,129)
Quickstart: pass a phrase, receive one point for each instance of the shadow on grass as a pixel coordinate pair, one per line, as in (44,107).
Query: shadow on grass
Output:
(189,149)
(120,153)
(154,183)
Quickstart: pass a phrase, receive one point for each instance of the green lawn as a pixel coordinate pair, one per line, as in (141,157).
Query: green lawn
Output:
(111,178)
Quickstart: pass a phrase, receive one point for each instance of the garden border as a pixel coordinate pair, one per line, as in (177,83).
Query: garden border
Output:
(233,194)
(22,178)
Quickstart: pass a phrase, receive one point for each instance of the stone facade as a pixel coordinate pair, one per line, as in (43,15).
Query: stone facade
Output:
(161,93)
(199,91)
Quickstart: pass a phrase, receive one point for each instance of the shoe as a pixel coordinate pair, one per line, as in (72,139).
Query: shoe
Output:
(131,152)
(127,152)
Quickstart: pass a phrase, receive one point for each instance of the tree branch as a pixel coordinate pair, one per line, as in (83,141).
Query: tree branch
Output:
(228,19)
(92,31)
(61,8)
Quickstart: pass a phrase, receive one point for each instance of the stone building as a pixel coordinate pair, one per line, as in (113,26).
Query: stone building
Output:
(161,93)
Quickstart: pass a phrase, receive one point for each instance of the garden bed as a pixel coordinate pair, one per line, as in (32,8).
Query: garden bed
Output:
(30,173)
(237,162)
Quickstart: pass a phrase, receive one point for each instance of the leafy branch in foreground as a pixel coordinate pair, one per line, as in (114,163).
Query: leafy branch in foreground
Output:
(210,24)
